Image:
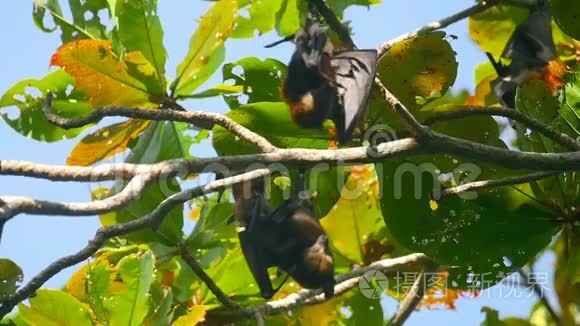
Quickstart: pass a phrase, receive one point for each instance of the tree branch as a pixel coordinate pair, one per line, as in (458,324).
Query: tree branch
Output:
(538,291)
(219,294)
(463,112)
(498,182)
(411,300)
(13,205)
(475,9)
(151,220)
(201,119)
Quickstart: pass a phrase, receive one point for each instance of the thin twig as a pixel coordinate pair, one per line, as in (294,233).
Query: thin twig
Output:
(463,112)
(497,183)
(475,9)
(201,119)
(415,127)
(541,295)
(332,21)
(411,300)
(211,285)
(151,220)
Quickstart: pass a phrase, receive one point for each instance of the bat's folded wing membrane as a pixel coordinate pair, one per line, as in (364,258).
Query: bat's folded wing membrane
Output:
(354,74)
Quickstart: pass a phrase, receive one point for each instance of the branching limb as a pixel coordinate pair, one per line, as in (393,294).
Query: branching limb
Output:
(498,182)
(201,119)
(151,220)
(463,112)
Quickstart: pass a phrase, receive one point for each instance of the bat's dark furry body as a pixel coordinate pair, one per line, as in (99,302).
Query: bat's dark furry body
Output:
(326,84)
(289,237)
(530,49)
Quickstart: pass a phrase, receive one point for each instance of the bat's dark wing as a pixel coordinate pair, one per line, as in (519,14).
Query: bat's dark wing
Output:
(354,74)
(532,44)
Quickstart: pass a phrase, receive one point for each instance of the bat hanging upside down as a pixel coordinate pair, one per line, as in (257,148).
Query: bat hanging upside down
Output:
(326,84)
(289,237)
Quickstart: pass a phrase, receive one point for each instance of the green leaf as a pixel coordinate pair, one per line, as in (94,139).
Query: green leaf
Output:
(260,80)
(567,15)
(492,319)
(289,17)
(29,94)
(492,28)
(161,141)
(86,23)
(491,231)
(212,228)
(261,18)
(271,120)
(132,306)
(10,277)
(139,29)
(214,28)
(97,285)
(218,90)
(162,301)
(419,67)
(54,308)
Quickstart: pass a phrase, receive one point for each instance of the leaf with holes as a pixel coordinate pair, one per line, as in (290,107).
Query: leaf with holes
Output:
(28,96)
(489,232)
(85,24)
(139,30)
(10,277)
(214,28)
(260,80)
(101,74)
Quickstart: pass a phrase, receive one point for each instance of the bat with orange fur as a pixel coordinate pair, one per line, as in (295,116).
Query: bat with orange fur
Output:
(325,84)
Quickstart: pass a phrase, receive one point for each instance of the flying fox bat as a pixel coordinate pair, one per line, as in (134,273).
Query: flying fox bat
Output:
(288,237)
(325,84)
(530,49)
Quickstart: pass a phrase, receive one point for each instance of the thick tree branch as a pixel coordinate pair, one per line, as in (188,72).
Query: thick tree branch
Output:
(201,119)
(13,205)
(151,220)
(498,182)
(463,112)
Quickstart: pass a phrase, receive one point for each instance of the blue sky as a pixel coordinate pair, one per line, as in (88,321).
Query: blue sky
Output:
(35,241)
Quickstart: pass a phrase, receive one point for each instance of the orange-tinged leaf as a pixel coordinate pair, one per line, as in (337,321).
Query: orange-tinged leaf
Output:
(106,142)
(101,74)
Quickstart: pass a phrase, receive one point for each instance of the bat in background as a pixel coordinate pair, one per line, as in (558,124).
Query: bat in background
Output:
(289,237)
(530,49)
(325,84)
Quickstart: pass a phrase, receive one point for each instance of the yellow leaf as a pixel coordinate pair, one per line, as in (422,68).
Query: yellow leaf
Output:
(355,216)
(193,317)
(101,74)
(106,142)
(214,28)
